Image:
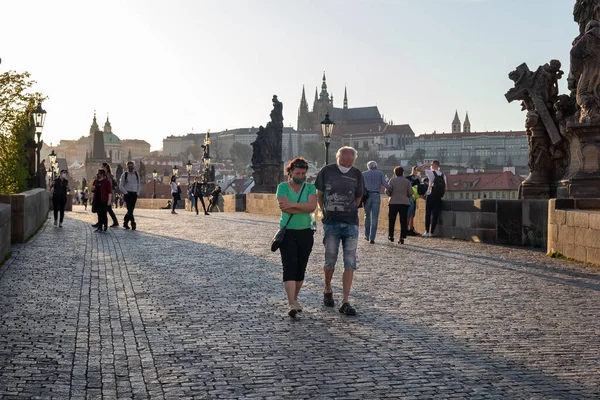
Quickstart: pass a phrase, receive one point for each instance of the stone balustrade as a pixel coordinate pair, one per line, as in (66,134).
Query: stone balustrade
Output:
(5,233)
(29,210)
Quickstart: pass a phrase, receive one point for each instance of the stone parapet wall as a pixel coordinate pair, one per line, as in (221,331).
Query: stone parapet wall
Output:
(5,230)
(234,203)
(28,212)
(151,204)
(262,203)
(574,229)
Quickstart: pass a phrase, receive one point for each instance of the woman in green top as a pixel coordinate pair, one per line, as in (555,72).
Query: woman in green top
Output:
(297,199)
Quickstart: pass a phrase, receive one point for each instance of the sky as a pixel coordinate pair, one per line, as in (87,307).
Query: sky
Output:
(161,68)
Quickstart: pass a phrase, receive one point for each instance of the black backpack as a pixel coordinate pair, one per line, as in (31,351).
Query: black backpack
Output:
(439,185)
(422,189)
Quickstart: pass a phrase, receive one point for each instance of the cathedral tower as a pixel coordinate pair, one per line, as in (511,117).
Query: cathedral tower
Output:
(456,125)
(467,124)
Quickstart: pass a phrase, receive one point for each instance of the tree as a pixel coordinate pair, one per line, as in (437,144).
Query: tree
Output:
(314,151)
(17,136)
(441,156)
(365,156)
(418,157)
(392,161)
(195,150)
(13,159)
(240,154)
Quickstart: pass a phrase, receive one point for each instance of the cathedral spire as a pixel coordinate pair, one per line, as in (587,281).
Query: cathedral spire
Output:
(456,125)
(107,127)
(345,98)
(316,94)
(94,127)
(467,124)
(324,95)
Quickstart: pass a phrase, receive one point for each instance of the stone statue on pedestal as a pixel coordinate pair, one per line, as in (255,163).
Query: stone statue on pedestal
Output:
(538,92)
(266,152)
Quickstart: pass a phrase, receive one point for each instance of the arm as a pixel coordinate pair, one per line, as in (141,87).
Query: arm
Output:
(360,190)
(421,168)
(384,183)
(389,189)
(122,183)
(320,199)
(138,186)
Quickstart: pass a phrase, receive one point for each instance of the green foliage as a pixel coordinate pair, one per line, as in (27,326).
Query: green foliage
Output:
(240,154)
(365,156)
(314,151)
(13,161)
(196,152)
(16,104)
(392,161)
(418,157)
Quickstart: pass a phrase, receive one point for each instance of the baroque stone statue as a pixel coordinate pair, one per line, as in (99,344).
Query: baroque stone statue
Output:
(585,67)
(266,152)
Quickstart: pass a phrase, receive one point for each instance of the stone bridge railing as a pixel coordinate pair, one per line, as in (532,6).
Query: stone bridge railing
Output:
(28,211)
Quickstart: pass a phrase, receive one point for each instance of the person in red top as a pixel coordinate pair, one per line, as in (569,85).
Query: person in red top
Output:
(102,198)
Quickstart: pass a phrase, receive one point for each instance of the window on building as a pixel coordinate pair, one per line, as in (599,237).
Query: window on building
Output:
(462,196)
(467,195)
(514,195)
(497,195)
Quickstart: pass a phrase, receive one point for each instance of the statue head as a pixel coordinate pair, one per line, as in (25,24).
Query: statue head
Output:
(555,65)
(593,24)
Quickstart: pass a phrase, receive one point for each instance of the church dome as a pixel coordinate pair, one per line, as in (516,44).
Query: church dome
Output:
(110,137)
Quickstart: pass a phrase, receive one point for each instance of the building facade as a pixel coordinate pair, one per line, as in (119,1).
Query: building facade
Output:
(483,185)
(323,104)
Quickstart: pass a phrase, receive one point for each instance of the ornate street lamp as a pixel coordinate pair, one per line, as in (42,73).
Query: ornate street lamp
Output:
(154,176)
(39,117)
(175,170)
(327,129)
(52,162)
(188,168)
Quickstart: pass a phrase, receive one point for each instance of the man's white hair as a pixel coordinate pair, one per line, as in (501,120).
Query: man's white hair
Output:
(372,165)
(346,148)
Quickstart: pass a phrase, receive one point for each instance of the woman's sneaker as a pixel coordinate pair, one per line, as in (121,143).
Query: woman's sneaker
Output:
(55,222)
(298,306)
(292,311)
(347,309)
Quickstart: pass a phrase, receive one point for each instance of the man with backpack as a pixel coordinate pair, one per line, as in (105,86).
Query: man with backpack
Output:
(130,186)
(435,193)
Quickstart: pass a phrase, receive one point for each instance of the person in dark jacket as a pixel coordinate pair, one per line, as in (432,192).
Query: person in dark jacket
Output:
(113,182)
(196,192)
(214,198)
(102,198)
(59,190)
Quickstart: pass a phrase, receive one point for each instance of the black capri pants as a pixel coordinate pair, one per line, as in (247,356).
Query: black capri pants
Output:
(295,251)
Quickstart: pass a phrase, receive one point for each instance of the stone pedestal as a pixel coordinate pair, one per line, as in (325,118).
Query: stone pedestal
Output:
(583,177)
(267,177)
(538,184)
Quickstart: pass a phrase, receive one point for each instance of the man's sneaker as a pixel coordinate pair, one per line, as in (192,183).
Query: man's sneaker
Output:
(55,222)
(347,309)
(60,225)
(206,213)
(133,226)
(126,226)
(372,241)
(391,239)
(95,225)
(426,235)
(328,300)
(114,225)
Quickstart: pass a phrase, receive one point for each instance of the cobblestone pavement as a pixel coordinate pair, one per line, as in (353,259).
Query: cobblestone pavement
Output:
(193,307)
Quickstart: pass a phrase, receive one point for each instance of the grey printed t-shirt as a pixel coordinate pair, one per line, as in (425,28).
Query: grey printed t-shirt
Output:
(340,192)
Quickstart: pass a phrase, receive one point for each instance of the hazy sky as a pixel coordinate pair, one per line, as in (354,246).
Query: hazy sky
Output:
(162,67)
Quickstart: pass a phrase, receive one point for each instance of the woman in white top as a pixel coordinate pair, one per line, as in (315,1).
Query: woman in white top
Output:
(175,192)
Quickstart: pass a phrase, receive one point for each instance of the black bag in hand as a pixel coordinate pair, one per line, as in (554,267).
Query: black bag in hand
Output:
(278,238)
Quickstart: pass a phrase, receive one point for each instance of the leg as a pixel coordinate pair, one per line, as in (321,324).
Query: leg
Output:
(392,221)
(436,209)
(174,204)
(349,245)
(196,204)
(375,206)
(411,214)
(305,244)
(131,207)
(127,198)
(403,221)
(331,241)
(62,205)
(289,259)
(112,214)
(368,204)
(203,205)
(55,208)
(428,210)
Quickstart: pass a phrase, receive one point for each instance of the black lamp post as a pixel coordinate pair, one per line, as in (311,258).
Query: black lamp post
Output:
(52,162)
(206,159)
(188,168)
(154,176)
(39,117)
(327,129)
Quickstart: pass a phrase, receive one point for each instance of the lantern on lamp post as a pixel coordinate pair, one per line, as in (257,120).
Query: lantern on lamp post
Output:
(39,118)
(188,168)
(175,170)
(327,129)
(154,176)
(52,162)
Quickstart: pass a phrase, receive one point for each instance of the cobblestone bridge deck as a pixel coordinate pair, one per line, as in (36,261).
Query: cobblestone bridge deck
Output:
(193,307)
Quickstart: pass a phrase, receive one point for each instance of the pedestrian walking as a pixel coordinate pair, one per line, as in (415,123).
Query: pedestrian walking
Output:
(415,181)
(130,187)
(196,193)
(374,180)
(102,198)
(435,193)
(340,187)
(175,192)
(59,189)
(84,198)
(113,182)
(214,199)
(400,193)
(297,200)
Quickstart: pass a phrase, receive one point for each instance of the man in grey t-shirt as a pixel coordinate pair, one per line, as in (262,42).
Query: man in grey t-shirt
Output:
(340,187)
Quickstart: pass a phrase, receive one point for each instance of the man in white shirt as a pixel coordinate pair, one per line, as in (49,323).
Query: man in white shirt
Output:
(435,193)
(130,186)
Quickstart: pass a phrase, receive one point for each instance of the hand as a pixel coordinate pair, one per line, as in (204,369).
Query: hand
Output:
(283,203)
